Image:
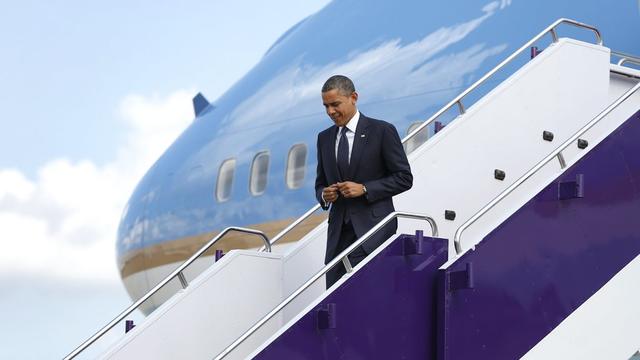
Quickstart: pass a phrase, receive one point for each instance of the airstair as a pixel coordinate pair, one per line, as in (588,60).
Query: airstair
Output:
(529,246)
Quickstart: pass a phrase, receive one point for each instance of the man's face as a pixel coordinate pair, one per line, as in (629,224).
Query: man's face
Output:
(340,108)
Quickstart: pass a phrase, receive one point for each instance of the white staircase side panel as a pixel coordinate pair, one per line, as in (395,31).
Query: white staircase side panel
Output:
(618,84)
(603,327)
(148,279)
(300,264)
(215,309)
(559,91)
(139,282)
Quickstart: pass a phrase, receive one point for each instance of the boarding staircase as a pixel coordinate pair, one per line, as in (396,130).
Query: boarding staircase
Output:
(529,248)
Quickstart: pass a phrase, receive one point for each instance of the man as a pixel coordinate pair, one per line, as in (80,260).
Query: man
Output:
(361,165)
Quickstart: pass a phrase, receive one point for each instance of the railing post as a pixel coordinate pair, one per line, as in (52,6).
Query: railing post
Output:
(347,264)
(554,35)
(183,280)
(563,162)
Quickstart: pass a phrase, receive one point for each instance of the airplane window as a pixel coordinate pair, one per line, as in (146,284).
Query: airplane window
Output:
(296,166)
(259,172)
(225,179)
(418,139)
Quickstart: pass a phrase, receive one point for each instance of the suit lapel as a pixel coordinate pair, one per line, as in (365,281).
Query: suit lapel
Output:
(359,144)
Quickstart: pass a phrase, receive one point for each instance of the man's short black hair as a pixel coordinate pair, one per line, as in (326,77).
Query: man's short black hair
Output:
(342,83)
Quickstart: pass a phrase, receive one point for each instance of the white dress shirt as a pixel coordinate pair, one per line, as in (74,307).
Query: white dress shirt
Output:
(351,133)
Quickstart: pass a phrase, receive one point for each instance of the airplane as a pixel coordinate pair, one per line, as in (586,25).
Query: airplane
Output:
(248,159)
(554,255)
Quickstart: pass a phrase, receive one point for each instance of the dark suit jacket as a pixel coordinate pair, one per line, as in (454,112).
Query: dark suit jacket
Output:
(379,162)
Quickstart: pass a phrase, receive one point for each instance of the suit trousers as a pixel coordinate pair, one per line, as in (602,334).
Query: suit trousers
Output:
(347,237)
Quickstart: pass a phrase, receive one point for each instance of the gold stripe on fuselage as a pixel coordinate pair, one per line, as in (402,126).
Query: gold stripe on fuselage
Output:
(179,250)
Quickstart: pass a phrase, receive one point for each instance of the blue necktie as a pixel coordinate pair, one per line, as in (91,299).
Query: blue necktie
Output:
(343,155)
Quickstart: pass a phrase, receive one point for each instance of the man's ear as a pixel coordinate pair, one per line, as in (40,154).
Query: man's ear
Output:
(354,97)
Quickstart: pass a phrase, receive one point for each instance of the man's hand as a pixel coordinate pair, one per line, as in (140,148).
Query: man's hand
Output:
(349,189)
(330,193)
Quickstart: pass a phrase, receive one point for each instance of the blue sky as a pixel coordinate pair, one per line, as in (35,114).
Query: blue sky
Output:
(66,65)
(91,94)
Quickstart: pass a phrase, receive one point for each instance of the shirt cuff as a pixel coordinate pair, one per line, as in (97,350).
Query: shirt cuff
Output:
(324,201)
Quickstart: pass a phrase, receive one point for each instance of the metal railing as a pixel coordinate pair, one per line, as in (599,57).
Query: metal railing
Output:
(626,58)
(551,29)
(176,273)
(457,101)
(342,257)
(543,162)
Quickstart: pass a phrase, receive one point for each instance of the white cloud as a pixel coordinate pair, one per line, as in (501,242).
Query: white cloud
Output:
(14,184)
(63,223)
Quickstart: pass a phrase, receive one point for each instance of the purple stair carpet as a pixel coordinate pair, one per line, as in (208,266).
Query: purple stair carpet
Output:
(384,311)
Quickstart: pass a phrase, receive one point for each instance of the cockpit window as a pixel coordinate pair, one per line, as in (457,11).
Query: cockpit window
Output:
(259,172)
(296,166)
(418,139)
(225,180)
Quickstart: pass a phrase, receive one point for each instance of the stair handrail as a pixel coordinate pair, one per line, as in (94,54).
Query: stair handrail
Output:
(539,165)
(551,29)
(176,273)
(625,58)
(628,60)
(343,256)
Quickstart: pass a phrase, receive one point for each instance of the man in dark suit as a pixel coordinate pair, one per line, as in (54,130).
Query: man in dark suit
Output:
(361,165)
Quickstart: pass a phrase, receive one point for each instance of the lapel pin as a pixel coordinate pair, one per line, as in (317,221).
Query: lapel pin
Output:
(363,135)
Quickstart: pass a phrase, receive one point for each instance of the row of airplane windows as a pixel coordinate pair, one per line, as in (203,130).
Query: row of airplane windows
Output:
(294,175)
(295,167)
